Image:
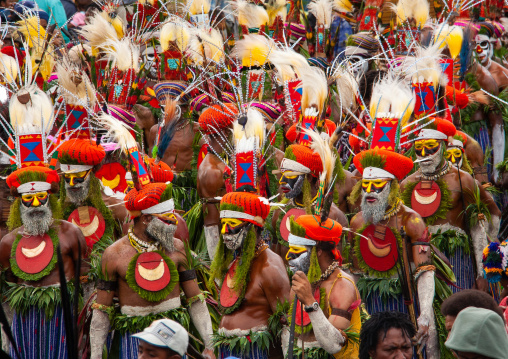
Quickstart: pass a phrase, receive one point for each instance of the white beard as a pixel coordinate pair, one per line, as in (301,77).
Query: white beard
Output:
(162,232)
(36,220)
(302,263)
(80,196)
(374,212)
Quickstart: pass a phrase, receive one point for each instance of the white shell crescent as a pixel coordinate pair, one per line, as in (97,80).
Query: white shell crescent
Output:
(90,229)
(379,252)
(151,274)
(34,252)
(425,199)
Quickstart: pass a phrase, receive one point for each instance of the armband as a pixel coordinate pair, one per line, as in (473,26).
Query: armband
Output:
(201,297)
(103,308)
(420,243)
(342,313)
(107,285)
(424,268)
(187,275)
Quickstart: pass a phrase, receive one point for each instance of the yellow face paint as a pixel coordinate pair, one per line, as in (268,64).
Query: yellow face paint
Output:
(73,178)
(454,155)
(231,222)
(378,185)
(295,249)
(34,199)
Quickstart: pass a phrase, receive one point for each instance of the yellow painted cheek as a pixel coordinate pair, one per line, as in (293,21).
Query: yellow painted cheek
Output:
(223,230)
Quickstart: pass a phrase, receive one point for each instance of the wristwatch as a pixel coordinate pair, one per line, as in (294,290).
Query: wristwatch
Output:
(311,308)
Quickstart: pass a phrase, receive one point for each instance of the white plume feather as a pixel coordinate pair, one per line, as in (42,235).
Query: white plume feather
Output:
(206,44)
(322,10)
(249,15)
(314,89)
(117,132)
(34,116)
(123,53)
(322,147)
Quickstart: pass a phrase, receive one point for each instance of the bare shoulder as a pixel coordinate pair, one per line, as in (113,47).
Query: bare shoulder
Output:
(9,238)
(178,255)
(271,264)
(344,291)
(411,178)
(357,221)
(68,232)
(116,249)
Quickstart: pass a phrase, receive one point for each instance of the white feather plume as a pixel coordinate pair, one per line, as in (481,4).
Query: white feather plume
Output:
(206,44)
(249,15)
(254,128)
(322,147)
(314,89)
(98,30)
(34,116)
(117,132)
(75,94)
(322,10)
(123,53)
(288,63)
(197,7)
(177,32)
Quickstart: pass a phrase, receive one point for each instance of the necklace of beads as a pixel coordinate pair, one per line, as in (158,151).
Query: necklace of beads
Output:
(393,211)
(446,168)
(328,272)
(140,245)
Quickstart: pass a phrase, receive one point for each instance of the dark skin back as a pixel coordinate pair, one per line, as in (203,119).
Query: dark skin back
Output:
(179,153)
(269,283)
(210,184)
(475,156)
(71,241)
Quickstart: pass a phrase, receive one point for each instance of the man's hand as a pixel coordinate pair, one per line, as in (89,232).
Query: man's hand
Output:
(301,287)
(421,336)
(208,354)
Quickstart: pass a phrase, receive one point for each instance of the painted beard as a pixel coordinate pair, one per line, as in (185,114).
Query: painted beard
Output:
(432,163)
(162,232)
(78,193)
(296,189)
(301,263)
(373,212)
(235,241)
(36,220)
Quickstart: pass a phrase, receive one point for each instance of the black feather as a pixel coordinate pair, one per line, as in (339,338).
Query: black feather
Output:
(166,136)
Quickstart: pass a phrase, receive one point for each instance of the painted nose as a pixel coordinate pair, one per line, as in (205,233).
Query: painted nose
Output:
(453,158)
(36,202)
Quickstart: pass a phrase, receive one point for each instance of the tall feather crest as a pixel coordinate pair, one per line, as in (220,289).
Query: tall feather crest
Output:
(8,68)
(78,90)
(35,115)
(424,66)
(206,44)
(115,21)
(452,36)
(124,53)
(347,88)
(176,32)
(117,131)
(288,63)
(168,131)
(249,15)
(197,7)
(328,158)
(253,50)
(342,5)
(392,95)
(322,10)
(412,9)
(33,31)
(276,8)
(98,30)
(314,89)
(254,128)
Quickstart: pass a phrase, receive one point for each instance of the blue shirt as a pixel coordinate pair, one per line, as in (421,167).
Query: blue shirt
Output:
(344,31)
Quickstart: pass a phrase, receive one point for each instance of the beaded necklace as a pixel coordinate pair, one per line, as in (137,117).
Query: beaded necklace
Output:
(444,170)
(140,245)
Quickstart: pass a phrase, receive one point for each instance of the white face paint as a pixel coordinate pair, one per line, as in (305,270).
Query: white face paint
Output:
(149,60)
(235,241)
(358,65)
(484,48)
